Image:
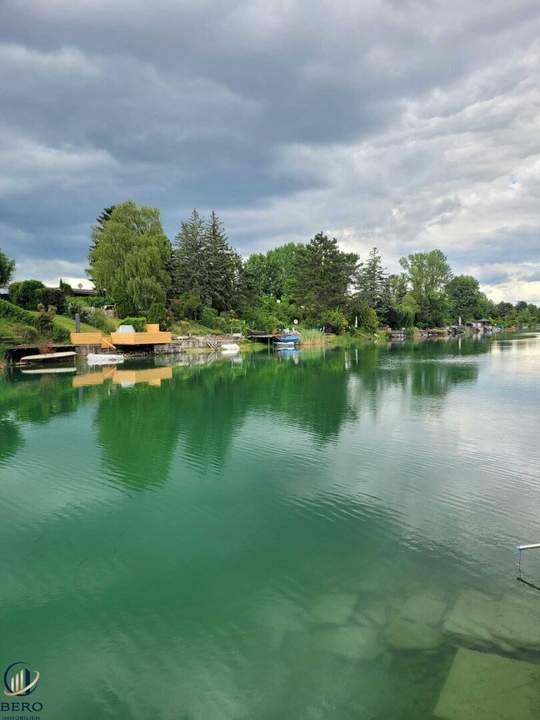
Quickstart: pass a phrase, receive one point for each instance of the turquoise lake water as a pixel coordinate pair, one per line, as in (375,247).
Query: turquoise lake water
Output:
(270,537)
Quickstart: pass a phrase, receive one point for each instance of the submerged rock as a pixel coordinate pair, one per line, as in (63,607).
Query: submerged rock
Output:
(481,686)
(351,641)
(333,608)
(509,623)
(519,621)
(275,624)
(473,618)
(377,612)
(403,634)
(424,607)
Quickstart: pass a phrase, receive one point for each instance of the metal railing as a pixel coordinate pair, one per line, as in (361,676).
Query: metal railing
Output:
(521,548)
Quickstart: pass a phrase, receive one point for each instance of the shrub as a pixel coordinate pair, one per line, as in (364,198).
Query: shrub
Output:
(60,334)
(101,321)
(157,314)
(183,327)
(96,301)
(367,318)
(44,321)
(32,327)
(208,316)
(25,294)
(29,333)
(264,321)
(269,313)
(52,296)
(76,305)
(186,307)
(137,322)
(234,325)
(14,312)
(334,320)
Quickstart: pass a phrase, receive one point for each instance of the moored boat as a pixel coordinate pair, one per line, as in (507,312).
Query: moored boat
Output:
(104,358)
(230,348)
(44,357)
(287,338)
(49,371)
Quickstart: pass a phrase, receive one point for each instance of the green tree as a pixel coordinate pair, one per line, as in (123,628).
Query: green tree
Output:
(428,274)
(129,258)
(7,268)
(465,298)
(26,293)
(271,272)
(157,313)
(367,318)
(190,262)
(223,266)
(407,310)
(371,284)
(268,313)
(505,313)
(334,320)
(395,292)
(322,275)
(102,218)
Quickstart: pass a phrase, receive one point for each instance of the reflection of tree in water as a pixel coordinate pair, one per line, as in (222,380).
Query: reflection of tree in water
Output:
(427,369)
(10,439)
(35,400)
(38,400)
(435,379)
(312,394)
(137,429)
(204,407)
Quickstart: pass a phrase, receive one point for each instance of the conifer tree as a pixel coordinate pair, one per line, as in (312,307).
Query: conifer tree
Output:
(223,265)
(322,275)
(371,283)
(189,258)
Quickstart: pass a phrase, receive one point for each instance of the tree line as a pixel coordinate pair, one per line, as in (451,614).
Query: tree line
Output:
(200,276)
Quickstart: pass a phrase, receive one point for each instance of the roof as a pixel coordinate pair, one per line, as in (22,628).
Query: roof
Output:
(82,286)
(78,283)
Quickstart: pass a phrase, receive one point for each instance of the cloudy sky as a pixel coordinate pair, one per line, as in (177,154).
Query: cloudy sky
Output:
(406,124)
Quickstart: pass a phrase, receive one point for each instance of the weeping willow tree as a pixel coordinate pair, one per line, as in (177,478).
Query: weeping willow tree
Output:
(129,258)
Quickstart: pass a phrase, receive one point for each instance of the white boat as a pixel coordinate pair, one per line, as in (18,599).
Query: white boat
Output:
(47,356)
(49,371)
(230,348)
(104,358)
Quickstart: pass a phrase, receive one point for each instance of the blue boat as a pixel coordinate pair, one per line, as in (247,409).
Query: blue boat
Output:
(287,338)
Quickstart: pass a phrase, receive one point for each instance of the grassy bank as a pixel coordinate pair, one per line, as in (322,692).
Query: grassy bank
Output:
(316,338)
(18,326)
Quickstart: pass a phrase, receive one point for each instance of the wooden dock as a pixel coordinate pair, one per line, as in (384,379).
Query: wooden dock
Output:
(13,355)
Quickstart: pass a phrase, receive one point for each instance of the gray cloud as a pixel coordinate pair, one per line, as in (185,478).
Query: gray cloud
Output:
(403,124)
